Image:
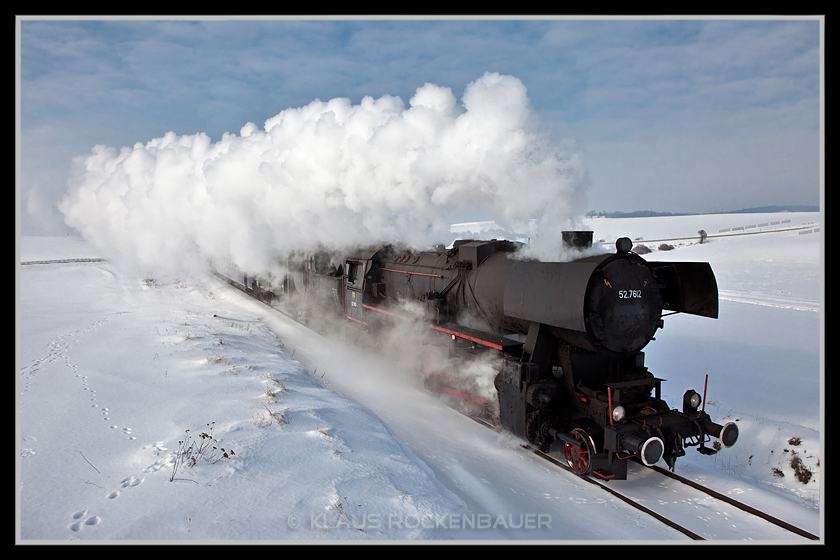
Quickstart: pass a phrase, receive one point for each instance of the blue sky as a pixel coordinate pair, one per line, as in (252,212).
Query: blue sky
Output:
(687,115)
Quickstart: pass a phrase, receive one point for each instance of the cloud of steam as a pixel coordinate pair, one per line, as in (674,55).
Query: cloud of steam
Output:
(330,173)
(408,354)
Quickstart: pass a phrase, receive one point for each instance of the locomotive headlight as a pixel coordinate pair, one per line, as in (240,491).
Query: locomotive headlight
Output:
(618,413)
(691,400)
(694,401)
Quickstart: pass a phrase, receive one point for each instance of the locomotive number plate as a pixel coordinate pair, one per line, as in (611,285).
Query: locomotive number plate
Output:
(628,294)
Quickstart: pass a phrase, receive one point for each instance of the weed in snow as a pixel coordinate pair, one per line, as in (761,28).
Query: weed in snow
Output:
(190,450)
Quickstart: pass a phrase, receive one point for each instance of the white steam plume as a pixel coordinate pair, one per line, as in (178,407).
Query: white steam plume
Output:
(330,173)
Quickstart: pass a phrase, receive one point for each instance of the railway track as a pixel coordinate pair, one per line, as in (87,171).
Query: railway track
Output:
(636,503)
(695,535)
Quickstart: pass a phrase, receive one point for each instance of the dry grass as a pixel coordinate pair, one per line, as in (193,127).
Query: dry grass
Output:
(271,395)
(271,415)
(273,388)
(802,473)
(191,449)
(800,470)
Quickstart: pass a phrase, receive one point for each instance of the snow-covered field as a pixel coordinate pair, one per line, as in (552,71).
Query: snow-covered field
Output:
(328,442)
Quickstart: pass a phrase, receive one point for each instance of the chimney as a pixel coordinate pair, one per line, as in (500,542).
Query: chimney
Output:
(577,239)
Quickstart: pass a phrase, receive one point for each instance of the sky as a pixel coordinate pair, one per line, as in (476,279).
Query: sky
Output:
(689,115)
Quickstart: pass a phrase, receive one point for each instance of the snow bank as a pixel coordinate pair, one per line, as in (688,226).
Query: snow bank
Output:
(114,371)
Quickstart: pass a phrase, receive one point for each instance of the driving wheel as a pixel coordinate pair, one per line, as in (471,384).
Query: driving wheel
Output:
(580,458)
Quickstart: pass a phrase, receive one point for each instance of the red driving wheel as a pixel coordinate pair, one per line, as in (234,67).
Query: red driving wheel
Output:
(580,458)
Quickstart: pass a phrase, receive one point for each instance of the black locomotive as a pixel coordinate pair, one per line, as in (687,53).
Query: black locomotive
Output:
(568,336)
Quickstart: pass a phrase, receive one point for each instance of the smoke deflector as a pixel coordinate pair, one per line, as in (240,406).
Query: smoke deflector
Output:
(689,287)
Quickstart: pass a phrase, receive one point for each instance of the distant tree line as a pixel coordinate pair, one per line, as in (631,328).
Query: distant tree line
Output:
(653,214)
(770,209)
(636,214)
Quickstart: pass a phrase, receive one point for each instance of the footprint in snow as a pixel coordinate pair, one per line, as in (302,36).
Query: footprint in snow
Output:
(157,465)
(157,448)
(127,482)
(27,451)
(80,522)
(131,481)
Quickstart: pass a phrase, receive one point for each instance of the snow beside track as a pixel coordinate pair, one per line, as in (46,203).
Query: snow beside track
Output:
(333,443)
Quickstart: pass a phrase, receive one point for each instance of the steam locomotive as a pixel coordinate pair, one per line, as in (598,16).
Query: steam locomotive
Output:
(568,336)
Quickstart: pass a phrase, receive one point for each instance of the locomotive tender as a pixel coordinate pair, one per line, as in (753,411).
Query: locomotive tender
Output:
(568,335)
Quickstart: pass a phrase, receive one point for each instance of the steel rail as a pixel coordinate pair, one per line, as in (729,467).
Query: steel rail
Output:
(740,505)
(717,495)
(620,496)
